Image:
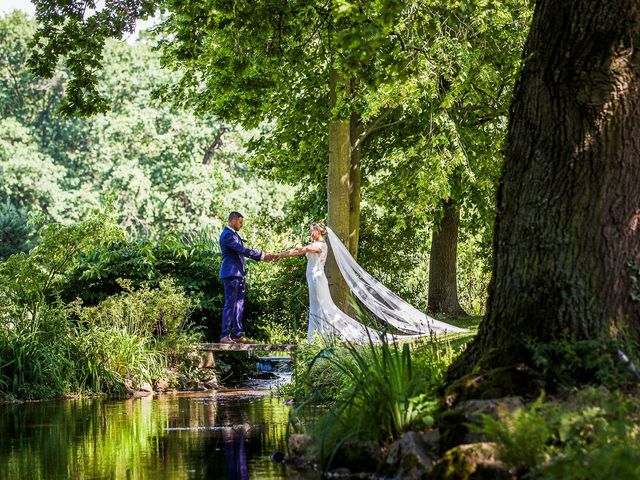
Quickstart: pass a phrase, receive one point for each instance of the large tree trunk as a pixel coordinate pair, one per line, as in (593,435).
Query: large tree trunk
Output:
(443,278)
(568,209)
(338,183)
(354,185)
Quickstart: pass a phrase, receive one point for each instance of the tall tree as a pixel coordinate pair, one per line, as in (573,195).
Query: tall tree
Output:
(339,182)
(443,278)
(567,234)
(437,166)
(250,56)
(296,66)
(150,156)
(325,78)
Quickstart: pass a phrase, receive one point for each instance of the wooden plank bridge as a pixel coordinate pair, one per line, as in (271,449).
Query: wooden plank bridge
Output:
(246,347)
(250,348)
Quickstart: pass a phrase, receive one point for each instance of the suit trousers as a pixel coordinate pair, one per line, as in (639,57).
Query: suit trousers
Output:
(234,289)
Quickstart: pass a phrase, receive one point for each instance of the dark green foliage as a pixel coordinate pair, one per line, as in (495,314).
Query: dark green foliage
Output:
(133,335)
(192,265)
(29,281)
(162,168)
(16,235)
(35,353)
(524,440)
(556,366)
(592,435)
(276,305)
(595,362)
(375,392)
(65,29)
(49,348)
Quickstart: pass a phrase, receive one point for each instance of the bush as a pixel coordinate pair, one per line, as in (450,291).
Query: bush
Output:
(594,362)
(128,338)
(593,435)
(30,281)
(521,437)
(107,358)
(276,303)
(375,392)
(34,352)
(16,235)
(49,348)
(158,315)
(192,264)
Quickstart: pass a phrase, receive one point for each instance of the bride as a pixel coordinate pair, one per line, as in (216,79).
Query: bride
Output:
(327,320)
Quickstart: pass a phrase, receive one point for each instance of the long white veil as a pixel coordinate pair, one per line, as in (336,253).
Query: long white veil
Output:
(381,301)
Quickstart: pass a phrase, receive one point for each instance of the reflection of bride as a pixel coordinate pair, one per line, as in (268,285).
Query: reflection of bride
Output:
(326,319)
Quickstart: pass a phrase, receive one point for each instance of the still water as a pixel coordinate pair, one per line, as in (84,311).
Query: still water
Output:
(216,435)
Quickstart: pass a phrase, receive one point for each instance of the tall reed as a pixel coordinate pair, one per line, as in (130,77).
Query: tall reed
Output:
(383,389)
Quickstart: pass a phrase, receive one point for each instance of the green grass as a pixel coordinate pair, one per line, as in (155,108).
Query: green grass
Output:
(372,392)
(60,349)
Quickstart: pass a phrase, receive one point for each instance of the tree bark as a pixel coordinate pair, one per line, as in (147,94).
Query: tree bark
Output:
(354,185)
(338,183)
(568,207)
(443,277)
(215,145)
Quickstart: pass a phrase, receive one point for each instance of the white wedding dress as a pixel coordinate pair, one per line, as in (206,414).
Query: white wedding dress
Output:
(327,320)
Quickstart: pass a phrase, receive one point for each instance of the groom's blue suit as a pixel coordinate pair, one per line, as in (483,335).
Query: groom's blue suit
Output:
(232,275)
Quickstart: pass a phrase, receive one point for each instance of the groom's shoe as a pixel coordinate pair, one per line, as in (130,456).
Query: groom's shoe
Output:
(226,340)
(241,340)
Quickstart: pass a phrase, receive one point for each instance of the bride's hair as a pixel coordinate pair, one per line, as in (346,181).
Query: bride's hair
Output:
(319,226)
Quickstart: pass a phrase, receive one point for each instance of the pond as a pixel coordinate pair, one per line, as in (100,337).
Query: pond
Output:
(226,434)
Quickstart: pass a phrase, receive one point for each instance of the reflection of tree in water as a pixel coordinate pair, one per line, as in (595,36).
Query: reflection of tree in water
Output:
(163,437)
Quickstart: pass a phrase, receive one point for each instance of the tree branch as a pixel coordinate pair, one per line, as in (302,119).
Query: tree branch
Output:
(376,127)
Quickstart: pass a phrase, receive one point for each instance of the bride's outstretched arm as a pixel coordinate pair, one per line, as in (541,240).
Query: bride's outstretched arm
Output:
(298,251)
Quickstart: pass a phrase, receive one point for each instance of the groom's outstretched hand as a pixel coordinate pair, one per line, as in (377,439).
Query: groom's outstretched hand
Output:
(271,257)
(268,257)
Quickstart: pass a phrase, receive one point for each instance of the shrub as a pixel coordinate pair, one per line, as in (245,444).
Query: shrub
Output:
(594,362)
(16,235)
(107,357)
(375,392)
(159,312)
(521,437)
(135,334)
(276,300)
(49,349)
(34,360)
(38,278)
(593,435)
(192,263)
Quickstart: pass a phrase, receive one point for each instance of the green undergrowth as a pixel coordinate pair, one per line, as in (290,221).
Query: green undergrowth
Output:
(128,339)
(322,381)
(595,362)
(587,432)
(51,348)
(371,392)
(591,433)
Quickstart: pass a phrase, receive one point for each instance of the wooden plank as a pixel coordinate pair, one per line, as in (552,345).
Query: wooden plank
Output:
(245,347)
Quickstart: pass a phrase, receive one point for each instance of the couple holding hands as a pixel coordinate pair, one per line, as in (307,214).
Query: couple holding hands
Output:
(232,273)
(325,318)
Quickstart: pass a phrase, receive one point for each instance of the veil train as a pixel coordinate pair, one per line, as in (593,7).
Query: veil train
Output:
(382,302)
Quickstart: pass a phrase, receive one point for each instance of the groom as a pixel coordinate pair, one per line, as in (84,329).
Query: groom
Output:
(232,275)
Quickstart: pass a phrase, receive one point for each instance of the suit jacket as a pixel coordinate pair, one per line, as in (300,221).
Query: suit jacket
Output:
(233,253)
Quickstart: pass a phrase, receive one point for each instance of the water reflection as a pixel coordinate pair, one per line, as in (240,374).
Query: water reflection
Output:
(225,435)
(235,453)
